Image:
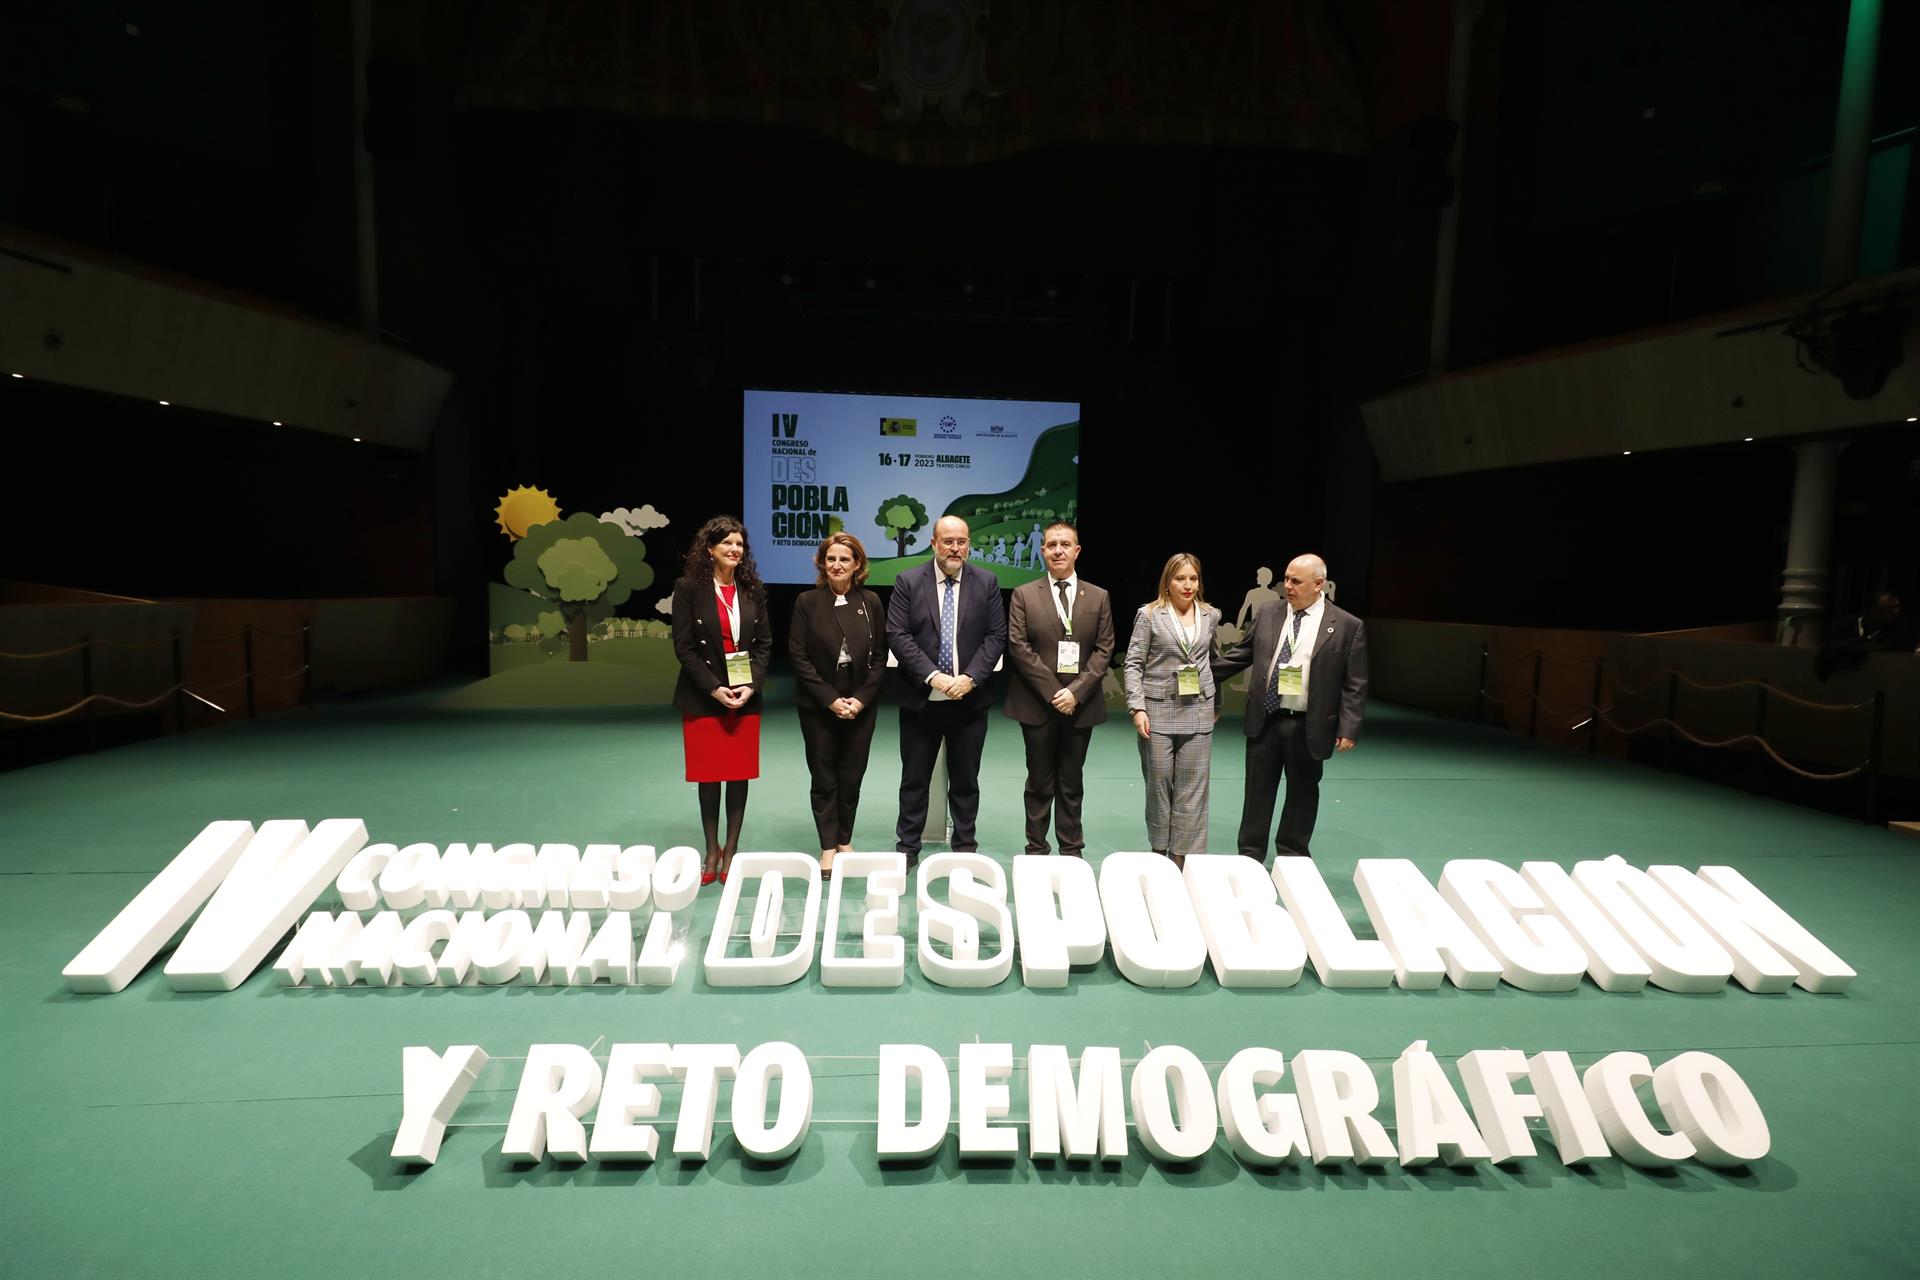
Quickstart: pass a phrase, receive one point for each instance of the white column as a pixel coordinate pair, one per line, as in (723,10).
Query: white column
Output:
(1465,14)
(1803,584)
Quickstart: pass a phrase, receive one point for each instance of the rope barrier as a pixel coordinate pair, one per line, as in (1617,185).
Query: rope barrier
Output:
(51,653)
(1775,690)
(150,644)
(132,644)
(94,697)
(1758,741)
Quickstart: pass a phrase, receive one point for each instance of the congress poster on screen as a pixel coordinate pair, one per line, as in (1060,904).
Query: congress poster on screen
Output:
(885,467)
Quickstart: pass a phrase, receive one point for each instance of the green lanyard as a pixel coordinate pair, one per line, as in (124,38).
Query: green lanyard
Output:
(1180,638)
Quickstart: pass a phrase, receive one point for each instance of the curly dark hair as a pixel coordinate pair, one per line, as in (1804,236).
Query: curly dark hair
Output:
(699,565)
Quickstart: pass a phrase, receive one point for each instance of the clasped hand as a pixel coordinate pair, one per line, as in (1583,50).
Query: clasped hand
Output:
(953,686)
(732,697)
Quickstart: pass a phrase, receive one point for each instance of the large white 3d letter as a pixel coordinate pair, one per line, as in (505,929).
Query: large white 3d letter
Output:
(1706,1099)
(763,966)
(1571,1124)
(882,961)
(1681,955)
(1501,1113)
(626,1099)
(750,1089)
(278,876)
(1432,1122)
(1337,1097)
(144,925)
(432,1086)
(1052,940)
(700,1069)
(1340,959)
(1264,1130)
(899,1064)
(1427,937)
(977,889)
(559,1084)
(1078,1120)
(1156,935)
(982,1101)
(1612,962)
(1748,924)
(1610,1085)
(1252,940)
(1181,1126)
(1535,951)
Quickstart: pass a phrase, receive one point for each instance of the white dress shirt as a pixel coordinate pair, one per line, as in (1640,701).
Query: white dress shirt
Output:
(1302,653)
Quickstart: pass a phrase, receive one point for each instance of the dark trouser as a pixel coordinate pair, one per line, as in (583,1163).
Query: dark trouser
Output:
(1056,755)
(1281,749)
(963,727)
(837,760)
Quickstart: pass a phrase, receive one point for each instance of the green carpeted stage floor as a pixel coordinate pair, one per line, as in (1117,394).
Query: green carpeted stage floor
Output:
(246,1133)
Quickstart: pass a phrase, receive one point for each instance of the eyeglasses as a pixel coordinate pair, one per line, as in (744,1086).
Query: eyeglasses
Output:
(954,542)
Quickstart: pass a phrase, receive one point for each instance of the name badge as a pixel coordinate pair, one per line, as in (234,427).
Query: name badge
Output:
(1188,680)
(739,668)
(1289,681)
(1068,663)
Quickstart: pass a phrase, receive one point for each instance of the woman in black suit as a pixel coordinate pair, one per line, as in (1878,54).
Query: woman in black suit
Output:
(725,643)
(838,644)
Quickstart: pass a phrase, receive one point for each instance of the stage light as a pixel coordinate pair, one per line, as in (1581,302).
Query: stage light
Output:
(279,424)
(1626,453)
(1749,439)
(869,282)
(165,402)
(1909,419)
(22,375)
(356,439)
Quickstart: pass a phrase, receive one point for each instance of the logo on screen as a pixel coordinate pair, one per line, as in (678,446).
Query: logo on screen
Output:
(996,431)
(949,429)
(899,426)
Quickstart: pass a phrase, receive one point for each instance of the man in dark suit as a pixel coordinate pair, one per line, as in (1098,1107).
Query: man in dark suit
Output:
(1060,644)
(947,628)
(1305,700)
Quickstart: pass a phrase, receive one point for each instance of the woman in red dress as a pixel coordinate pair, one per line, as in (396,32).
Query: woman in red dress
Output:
(725,643)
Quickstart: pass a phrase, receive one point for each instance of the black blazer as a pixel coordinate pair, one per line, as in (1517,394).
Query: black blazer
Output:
(913,631)
(703,657)
(819,628)
(1336,680)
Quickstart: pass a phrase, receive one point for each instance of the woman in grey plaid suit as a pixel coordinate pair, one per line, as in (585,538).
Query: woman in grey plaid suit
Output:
(1170,692)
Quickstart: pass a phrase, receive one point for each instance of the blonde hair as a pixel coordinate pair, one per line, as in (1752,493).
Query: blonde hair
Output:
(1176,562)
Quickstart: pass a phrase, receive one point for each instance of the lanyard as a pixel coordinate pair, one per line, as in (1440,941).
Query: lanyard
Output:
(731,609)
(1186,637)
